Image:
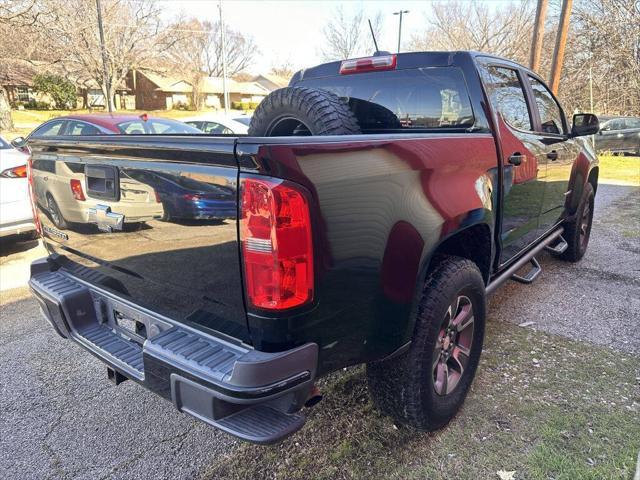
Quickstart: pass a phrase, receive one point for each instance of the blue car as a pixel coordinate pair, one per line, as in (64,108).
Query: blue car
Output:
(185,198)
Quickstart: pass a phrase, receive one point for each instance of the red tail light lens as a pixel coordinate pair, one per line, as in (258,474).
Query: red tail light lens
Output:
(15,172)
(76,189)
(368,64)
(32,197)
(277,249)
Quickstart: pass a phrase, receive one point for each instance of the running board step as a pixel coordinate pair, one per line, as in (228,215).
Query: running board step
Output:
(531,275)
(558,248)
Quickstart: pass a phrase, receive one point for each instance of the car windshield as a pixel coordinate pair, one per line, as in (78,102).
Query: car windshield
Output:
(4,144)
(155,125)
(244,120)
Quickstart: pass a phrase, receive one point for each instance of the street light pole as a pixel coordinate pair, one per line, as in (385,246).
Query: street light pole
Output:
(225,92)
(105,70)
(401,12)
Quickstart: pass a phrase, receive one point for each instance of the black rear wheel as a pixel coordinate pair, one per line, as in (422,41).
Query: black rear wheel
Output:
(426,386)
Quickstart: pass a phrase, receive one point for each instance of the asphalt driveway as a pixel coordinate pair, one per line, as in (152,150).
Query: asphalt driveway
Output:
(61,418)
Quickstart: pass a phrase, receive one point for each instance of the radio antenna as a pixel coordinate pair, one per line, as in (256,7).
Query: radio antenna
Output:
(373,35)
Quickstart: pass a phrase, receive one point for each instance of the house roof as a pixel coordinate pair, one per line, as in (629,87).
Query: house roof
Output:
(209,85)
(168,84)
(276,80)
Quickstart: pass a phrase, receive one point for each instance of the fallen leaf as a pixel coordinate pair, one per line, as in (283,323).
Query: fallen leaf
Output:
(504,475)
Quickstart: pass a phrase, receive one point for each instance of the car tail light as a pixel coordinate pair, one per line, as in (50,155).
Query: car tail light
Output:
(157,195)
(76,189)
(277,249)
(15,172)
(368,64)
(32,197)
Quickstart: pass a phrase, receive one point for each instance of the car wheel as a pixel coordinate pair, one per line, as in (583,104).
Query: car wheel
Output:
(426,386)
(55,214)
(578,231)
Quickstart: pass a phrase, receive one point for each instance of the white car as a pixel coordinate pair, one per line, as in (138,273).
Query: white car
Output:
(16,216)
(217,124)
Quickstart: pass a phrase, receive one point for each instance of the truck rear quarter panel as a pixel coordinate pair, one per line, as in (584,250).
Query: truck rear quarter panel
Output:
(382,206)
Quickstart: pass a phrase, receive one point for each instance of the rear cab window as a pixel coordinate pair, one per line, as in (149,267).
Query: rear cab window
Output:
(417,99)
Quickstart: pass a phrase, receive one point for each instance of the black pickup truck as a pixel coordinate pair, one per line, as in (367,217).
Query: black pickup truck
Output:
(373,206)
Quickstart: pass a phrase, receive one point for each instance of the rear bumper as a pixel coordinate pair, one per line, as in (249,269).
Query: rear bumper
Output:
(253,395)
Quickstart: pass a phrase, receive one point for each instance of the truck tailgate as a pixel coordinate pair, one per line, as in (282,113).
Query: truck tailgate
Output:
(150,218)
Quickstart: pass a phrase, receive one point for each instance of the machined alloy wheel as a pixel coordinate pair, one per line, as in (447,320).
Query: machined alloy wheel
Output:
(453,347)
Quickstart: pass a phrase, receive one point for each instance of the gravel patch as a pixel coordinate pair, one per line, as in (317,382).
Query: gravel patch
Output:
(597,299)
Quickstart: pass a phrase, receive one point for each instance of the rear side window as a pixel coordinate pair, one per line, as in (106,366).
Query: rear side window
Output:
(415,99)
(82,128)
(506,95)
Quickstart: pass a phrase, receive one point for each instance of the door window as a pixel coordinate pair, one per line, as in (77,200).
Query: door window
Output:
(551,119)
(507,96)
(49,129)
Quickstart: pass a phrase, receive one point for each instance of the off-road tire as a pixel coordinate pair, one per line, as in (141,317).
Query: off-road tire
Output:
(403,387)
(319,111)
(572,229)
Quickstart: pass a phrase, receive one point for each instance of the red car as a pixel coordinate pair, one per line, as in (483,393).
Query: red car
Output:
(104,124)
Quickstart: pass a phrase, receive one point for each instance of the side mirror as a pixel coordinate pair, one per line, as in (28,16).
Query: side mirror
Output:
(585,124)
(18,142)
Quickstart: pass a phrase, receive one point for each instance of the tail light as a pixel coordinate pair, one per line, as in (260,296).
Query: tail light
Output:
(15,172)
(277,249)
(368,64)
(157,195)
(76,189)
(32,197)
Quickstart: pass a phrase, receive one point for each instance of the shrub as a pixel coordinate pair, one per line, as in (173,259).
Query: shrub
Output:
(61,90)
(34,105)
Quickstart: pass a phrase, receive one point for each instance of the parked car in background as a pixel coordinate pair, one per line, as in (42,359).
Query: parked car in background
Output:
(16,216)
(104,124)
(218,124)
(243,119)
(187,198)
(619,135)
(73,193)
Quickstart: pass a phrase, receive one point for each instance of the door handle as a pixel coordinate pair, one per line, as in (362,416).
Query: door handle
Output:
(516,159)
(553,155)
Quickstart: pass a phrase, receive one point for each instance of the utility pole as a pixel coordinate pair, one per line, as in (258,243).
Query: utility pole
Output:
(538,35)
(225,92)
(105,71)
(401,12)
(561,42)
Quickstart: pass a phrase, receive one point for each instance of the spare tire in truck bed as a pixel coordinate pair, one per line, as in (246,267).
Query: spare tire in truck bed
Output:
(302,111)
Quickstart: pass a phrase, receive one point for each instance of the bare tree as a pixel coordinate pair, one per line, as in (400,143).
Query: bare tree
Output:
(348,36)
(198,53)
(473,26)
(284,69)
(68,33)
(604,44)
